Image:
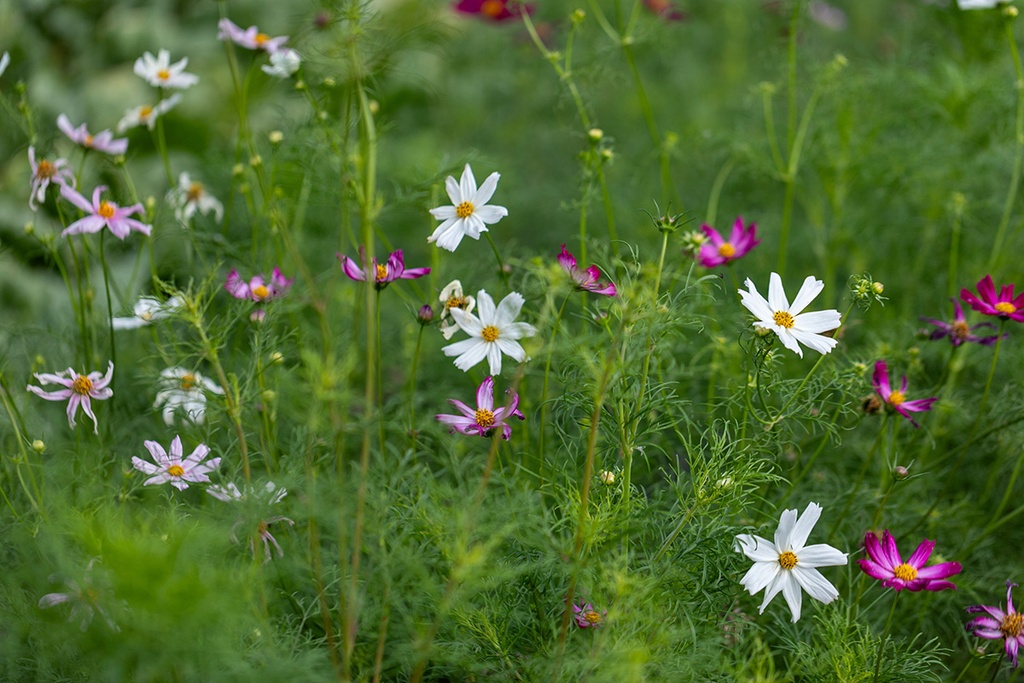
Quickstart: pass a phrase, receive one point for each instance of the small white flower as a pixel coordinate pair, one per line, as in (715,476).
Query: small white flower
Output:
(185,389)
(788,565)
(5,59)
(146,310)
(191,196)
(147,114)
(469,214)
(283,63)
(495,332)
(792,327)
(158,71)
(259,527)
(980,4)
(452,297)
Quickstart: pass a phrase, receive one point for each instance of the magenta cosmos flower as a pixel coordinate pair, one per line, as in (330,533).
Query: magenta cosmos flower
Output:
(102,142)
(587,617)
(719,251)
(45,172)
(485,419)
(171,468)
(1003,306)
(103,214)
(1007,624)
(382,274)
(584,279)
(665,9)
(79,390)
(885,564)
(957,330)
(493,10)
(897,400)
(258,288)
(251,38)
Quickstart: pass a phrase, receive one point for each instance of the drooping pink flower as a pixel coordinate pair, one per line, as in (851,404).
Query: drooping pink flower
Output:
(43,173)
(382,274)
(584,279)
(79,390)
(485,419)
(1007,624)
(103,214)
(587,617)
(102,142)
(171,468)
(251,38)
(257,289)
(897,400)
(493,10)
(957,330)
(719,251)
(885,563)
(1003,306)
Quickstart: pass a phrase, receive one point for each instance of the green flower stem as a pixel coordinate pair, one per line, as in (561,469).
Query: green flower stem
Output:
(161,146)
(412,384)
(810,462)
(110,303)
(885,636)
(35,499)
(954,246)
(542,427)
(868,459)
(1018,154)
(497,255)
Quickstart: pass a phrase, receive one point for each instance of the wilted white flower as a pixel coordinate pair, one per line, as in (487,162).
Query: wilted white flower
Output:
(191,196)
(185,389)
(147,114)
(452,297)
(283,63)
(146,310)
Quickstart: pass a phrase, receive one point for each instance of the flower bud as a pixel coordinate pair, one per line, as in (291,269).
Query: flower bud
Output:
(276,357)
(425,315)
(38,446)
(275,137)
(607,478)
(901,472)
(595,134)
(877,287)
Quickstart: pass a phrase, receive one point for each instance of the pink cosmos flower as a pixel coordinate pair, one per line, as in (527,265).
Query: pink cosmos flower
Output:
(885,564)
(1007,624)
(665,9)
(270,495)
(584,279)
(383,274)
(485,419)
(171,468)
(250,38)
(258,289)
(79,390)
(587,617)
(1004,306)
(43,173)
(897,400)
(103,215)
(102,142)
(958,331)
(493,10)
(719,252)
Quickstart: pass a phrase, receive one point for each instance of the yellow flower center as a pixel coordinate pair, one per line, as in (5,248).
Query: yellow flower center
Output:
(144,112)
(726,250)
(905,572)
(464,210)
(261,528)
(382,272)
(489,333)
(45,169)
(1012,625)
(1006,308)
(484,417)
(896,398)
(783,319)
(592,617)
(195,191)
(491,8)
(175,470)
(106,210)
(163,74)
(187,381)
(261,38)
(81,385)
(960,330)
(260,292)
(88,140)
(456,302)
(787,560)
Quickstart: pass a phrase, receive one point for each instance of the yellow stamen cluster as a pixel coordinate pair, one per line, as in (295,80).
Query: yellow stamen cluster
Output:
(81,385)
(175,470)
(592,617)
(787,560)
(260,292)
(484,418)
(456,302)
(88,140)
(1012,625)
(489,333)
(1006,308)
(163,74)
(261,38)
(188,380)
(959,330)
(783,319)
(905,572)
(195,192)
(464,210)
(106,210)
(491,8)
(45,169)
(382,272)
(896,398)
(726,250)
(144,112)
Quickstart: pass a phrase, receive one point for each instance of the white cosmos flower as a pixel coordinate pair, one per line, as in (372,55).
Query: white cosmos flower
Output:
(191,196)
(147,114)
(792,327)
(185,389)
(469,214)
(452,297)
(146,310)
(283,63)
(788,565)
(495,332)
(159,72)
(980,4)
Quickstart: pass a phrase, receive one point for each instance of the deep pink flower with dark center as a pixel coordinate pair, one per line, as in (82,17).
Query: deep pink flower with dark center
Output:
(78,390)
(584,279)
(1003,306)
(382,274)
(957,330)
(494,10)
(1005,624)
(897,400)
(103,214)
(485,419)
(719,251)
(885,564)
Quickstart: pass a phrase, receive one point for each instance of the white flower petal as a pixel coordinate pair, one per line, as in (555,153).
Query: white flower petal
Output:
(817,321)
(803,527)
(784,532)
(808,290)
(791,591)
(816,585)
(820,555)
(776,294)
(760,575)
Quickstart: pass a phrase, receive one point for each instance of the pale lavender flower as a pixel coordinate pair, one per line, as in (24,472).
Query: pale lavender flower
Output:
(102,142)
(185,389)
(251,38)
(270,495)
(258,288)
(171,468)
(470,214)
(958,330)
(43,173)
(79,390)
(103,214)
(485,419)
(159,72)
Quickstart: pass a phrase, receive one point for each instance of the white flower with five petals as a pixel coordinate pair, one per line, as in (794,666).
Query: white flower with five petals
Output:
(493,333)
(470,214)
(787,321)
(788,565)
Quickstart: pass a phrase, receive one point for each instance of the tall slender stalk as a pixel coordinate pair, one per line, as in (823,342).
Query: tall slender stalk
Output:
(1018,145)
